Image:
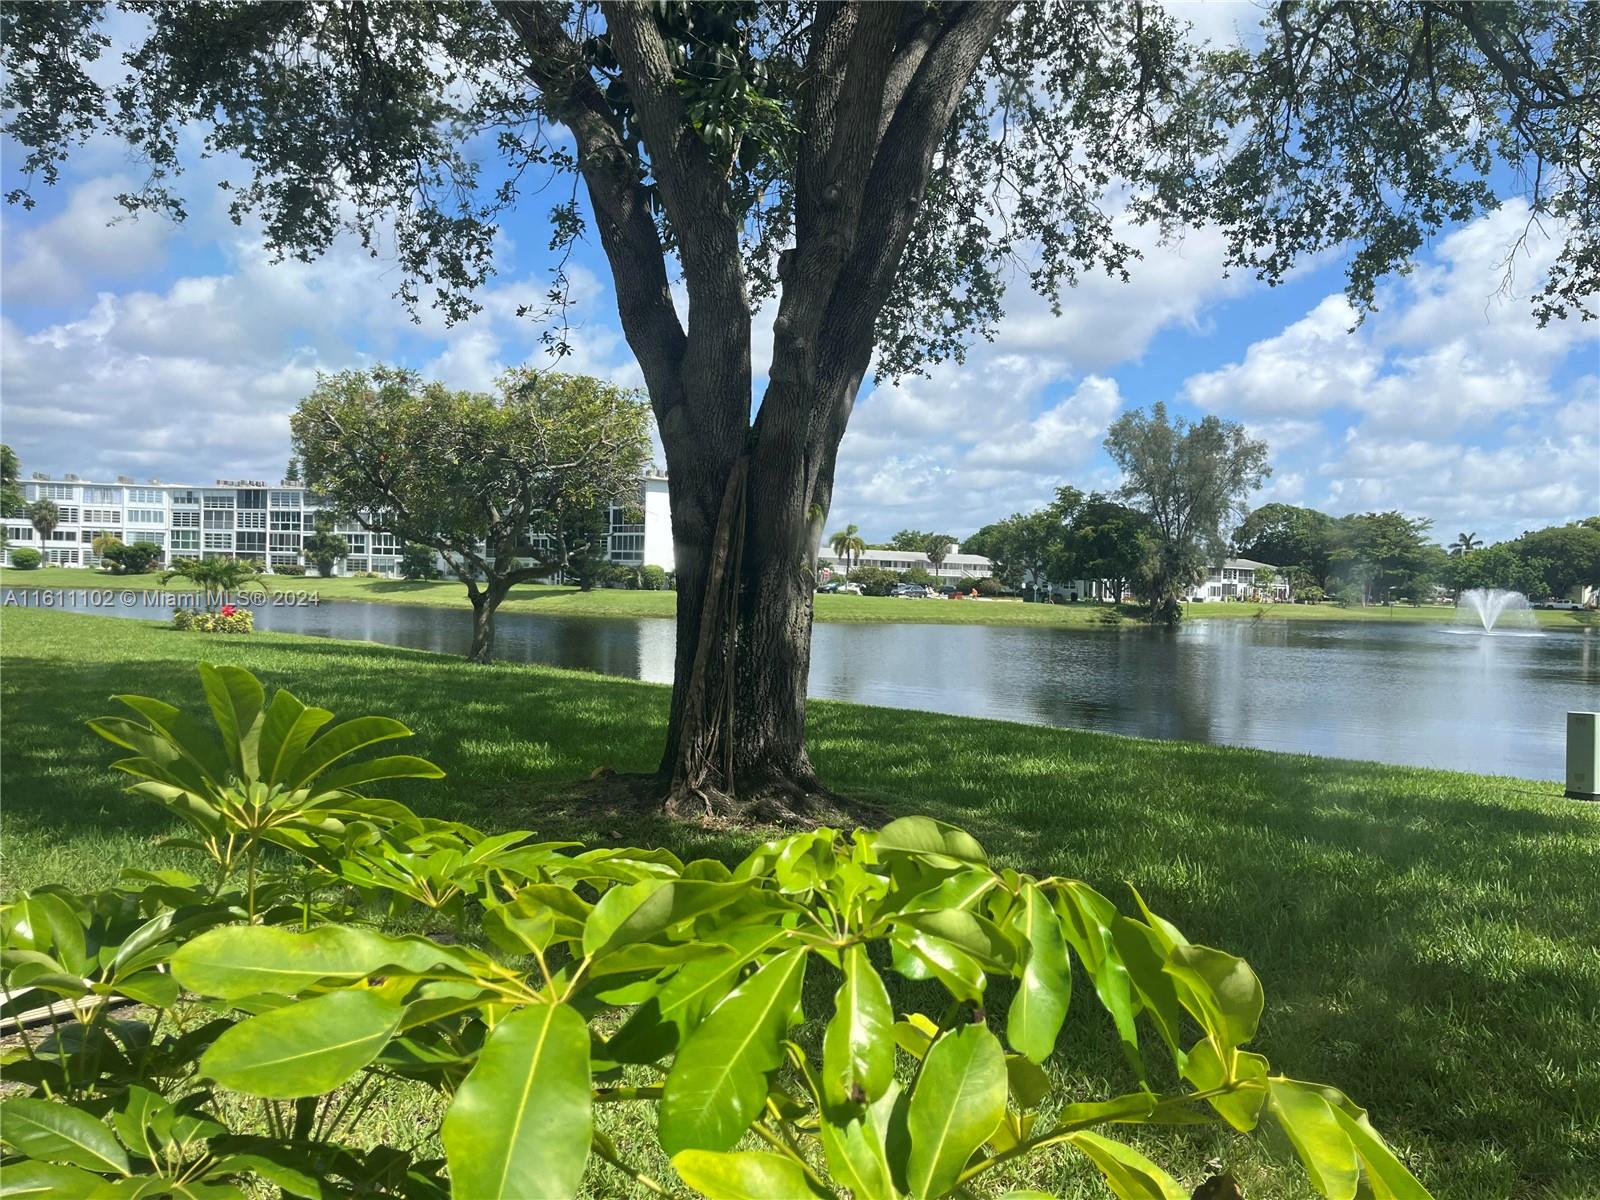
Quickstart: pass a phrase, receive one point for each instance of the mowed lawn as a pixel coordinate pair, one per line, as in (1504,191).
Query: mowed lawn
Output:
(1429,942)
(615,602)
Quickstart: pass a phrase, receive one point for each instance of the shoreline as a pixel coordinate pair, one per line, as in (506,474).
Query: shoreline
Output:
(610,603)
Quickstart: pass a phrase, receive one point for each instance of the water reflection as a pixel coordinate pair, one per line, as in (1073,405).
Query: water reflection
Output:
(1402,693)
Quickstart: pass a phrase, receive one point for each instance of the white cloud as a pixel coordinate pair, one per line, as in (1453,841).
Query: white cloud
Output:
(91,241)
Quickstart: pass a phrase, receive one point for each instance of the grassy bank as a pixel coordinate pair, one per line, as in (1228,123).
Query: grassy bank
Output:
(1428,941)
(608,602)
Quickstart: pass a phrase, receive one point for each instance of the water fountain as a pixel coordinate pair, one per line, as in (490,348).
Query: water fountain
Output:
(1496,607)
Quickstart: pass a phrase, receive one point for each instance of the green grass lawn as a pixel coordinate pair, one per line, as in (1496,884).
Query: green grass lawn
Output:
(1428,941)
(609,602)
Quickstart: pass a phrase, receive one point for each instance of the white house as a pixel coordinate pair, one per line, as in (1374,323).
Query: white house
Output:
(249,518)
(1235,579)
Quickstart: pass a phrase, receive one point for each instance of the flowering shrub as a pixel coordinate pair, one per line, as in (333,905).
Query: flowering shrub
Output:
(592,977)
(227,619)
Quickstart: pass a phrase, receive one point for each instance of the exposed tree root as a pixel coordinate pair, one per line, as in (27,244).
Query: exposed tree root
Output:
(791,805)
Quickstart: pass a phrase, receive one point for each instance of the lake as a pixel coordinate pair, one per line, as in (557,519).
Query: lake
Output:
(1409,693)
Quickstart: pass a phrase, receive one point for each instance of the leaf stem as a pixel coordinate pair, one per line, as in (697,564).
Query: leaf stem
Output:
(633,1173)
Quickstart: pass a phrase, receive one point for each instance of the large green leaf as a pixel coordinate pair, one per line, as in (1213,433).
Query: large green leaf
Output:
(974,935)
(50,1181)
(960,1099)
(1143,952)
(748,1175)
(939,843)
(375,770)
(521,1123)
(637,912)
(1317,1136)
(718,1080)
(1386,1175)
(1220,990)
(1207,1068)
(246,960)
(343,739)
(236,698)
(303,1049)
(918,955)
(858,1046)
(288,726)
(1086,923)
(857,1149)
(57,1133)
(1040,1005)
(186,735)
(1129,1174)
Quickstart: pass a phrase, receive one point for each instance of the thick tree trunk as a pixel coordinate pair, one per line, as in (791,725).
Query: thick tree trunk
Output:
(484,603)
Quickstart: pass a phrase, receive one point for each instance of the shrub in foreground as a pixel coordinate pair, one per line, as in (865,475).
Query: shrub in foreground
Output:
(583,977)
(26,558)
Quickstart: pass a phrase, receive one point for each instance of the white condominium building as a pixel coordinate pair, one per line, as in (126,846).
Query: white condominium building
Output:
(249,518)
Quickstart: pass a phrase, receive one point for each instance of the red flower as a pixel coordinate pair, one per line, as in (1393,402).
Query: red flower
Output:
(228,610)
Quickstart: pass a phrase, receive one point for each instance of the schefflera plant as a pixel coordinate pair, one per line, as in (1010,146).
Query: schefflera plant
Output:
(705,968)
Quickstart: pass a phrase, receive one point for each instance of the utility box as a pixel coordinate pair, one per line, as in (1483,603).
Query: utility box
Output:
(1583,755)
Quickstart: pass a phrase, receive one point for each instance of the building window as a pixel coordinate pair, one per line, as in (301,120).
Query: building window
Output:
(186,519)
(219,541)
(68,514)
(285,541)
(146,516)
(358,542)
(286,499)
(54,491)
(102,495)
(356,564)
(384,543)
(286,520)
(186,497)
(251,543)
(102,516)
(144,495)
(285,560)
(62,558)
(20,533)
(252,499)
(63,535)
(219,519)
(252,518)
(186,539)
(218,502)
(154,536)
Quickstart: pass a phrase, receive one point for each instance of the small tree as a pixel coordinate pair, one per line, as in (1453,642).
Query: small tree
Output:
(847,546)
(44,516)
(506,487)
(1262,581)
(11,500)
(325,547)
(214,576)
(418,562)
(1192,480)
(103,542)
(134,558)
(937,547)
(909,540)
(26,558)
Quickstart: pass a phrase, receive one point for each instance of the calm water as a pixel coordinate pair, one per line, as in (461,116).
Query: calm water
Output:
(1400,693)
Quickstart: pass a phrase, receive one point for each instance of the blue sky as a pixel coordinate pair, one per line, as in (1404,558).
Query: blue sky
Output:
(177,352)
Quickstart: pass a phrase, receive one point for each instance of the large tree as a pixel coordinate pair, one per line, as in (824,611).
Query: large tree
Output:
(1570,555)
(875,169)
(1191,479)
(1386,554)
(507,488)
(1113,542)
(1287,535)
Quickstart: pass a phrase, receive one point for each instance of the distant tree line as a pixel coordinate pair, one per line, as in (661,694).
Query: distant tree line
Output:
(1384,556)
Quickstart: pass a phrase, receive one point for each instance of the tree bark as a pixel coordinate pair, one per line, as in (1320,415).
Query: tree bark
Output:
(484,602)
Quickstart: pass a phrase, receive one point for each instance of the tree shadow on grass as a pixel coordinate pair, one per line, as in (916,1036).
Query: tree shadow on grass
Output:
(1426,941)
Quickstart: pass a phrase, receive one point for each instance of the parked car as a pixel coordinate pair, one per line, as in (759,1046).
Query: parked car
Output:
(1558,603)
(949,591)
(830,587)
(849,589)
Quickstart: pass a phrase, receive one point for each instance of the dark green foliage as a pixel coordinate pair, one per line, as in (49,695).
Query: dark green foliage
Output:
(596,961)
(25,558)
(133,558)
(653,578)
(1384,556)
(291,569)
(875,581)
(11,499)
(1287,535)
(418,562)
(323,546)
(44,516)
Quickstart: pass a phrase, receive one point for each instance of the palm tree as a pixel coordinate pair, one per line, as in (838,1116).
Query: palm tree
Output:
(45,516)
(937,548)
(1465,543)
(848,545)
